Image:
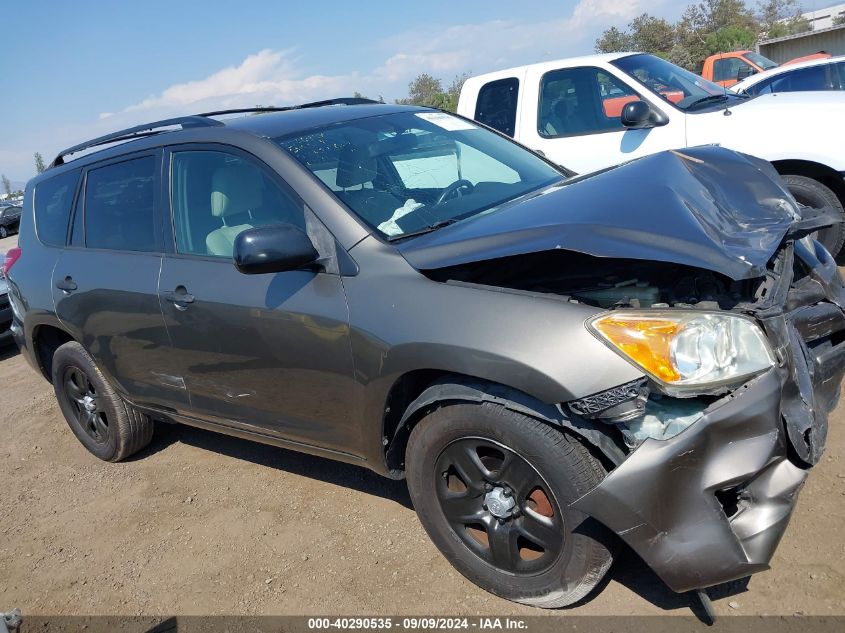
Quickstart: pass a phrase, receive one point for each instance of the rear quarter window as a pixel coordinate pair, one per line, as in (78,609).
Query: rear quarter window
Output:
(53,200)
(496,105)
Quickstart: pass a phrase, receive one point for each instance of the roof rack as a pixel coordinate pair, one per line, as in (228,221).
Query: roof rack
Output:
(313,104)
(139,131)
(195,121)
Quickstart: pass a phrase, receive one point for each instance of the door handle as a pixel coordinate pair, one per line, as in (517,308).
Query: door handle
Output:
(180,297)
(67,285)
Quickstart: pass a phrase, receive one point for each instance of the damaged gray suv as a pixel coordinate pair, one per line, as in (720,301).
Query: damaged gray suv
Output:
(650,351)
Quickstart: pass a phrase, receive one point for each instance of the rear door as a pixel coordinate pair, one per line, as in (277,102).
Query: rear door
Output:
(269,353)
(576,119)
(105,283)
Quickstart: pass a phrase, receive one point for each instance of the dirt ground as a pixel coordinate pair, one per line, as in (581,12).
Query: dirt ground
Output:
(200,523)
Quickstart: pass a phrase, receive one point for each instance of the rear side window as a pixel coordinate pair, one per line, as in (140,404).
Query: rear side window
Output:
(53,200)
(496,105)
(812,78)
(120,206)
(805,79)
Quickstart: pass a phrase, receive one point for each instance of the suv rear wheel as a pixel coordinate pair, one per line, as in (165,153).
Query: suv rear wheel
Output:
(493,487)
(102,421)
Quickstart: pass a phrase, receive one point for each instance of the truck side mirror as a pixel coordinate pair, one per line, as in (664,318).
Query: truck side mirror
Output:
(639,115)
(744,72)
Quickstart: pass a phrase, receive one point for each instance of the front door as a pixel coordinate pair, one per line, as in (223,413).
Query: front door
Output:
(269,353)
(578,124)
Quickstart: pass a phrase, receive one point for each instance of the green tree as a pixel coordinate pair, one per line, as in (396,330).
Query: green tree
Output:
(453,92)
(730,38)
(7,186)
(644,33)
(703,28)
(839,20)
(614,40)
(652,34)
(39,163)
(781,17)
(426,90)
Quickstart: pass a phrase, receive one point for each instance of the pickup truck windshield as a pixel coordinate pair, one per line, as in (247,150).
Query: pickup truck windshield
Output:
(763,62)
(412,172)
(662,77)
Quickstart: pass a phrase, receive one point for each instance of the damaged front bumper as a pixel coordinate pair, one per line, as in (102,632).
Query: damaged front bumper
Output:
(711,504)
(665,502)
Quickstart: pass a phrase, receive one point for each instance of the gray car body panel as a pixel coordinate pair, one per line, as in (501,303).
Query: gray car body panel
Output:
(530,352)
(713,209)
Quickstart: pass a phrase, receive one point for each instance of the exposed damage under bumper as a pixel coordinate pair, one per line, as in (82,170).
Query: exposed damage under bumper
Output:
(711,504)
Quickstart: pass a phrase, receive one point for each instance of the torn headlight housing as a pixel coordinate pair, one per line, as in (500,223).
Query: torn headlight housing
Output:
(685,352)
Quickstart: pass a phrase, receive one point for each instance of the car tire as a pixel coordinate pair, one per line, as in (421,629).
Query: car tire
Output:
(3,232)
(465,525)
(814,194)
(102,421)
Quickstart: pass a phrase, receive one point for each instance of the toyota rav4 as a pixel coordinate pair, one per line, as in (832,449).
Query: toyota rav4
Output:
(650,351)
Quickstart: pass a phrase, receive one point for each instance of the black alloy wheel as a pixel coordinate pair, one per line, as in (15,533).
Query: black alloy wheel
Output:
(82,396)
(499,506)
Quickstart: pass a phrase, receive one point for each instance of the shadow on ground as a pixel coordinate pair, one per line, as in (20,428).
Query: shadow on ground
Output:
(629,569)
(7,351)
(318,468)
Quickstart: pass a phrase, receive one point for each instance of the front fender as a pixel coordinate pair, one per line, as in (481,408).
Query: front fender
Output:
(455,389)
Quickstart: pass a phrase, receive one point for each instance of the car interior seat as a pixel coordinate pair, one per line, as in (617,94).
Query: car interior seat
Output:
(236,190)
(357,169)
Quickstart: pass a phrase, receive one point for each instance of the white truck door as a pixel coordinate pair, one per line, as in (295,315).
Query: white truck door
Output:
(576,122)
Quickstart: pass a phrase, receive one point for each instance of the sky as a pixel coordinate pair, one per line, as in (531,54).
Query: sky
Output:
(70,71)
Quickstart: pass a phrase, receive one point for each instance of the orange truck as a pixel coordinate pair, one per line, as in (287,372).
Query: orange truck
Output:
(726,69)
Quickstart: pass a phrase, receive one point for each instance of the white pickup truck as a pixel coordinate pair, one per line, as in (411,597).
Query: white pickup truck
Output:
(591,112)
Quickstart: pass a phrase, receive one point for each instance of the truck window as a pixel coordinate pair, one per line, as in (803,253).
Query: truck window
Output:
(496,105)
(576,101)
(53,199)
(728,68)
(804,79)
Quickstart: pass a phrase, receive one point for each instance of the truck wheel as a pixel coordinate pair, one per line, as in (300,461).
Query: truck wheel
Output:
(492,488)
(102,421)
(814,194)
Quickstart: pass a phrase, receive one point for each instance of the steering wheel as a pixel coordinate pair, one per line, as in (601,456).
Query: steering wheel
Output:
(454,188)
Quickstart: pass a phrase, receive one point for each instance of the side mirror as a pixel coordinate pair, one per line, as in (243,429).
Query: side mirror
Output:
(638,115)
(273,249)
(743,72)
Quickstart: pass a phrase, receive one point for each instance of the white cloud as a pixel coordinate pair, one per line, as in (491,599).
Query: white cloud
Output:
(266,77)
(273,76)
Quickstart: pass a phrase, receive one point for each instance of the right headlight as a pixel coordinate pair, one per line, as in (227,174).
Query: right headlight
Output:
(684,349)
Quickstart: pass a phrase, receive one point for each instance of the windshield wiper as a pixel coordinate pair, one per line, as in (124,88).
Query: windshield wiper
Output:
(725,96)
(426,229)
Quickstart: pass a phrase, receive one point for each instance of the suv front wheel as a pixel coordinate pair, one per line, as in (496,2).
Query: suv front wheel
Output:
(102,421)
(492,488)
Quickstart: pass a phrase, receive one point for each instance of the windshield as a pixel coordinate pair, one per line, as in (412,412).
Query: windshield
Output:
(662,77)
(763,62)
(412,172)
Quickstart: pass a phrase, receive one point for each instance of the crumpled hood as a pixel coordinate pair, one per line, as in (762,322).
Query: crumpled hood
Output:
(706,207)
